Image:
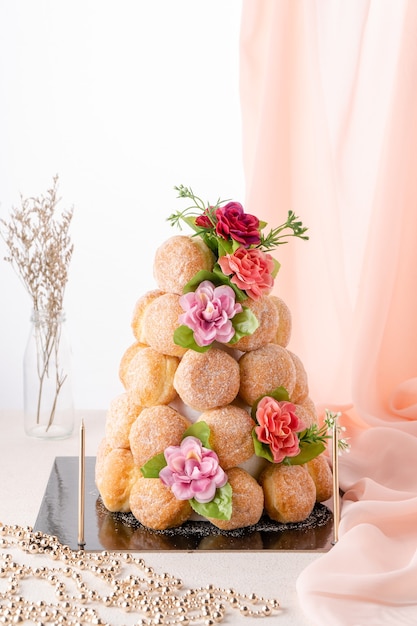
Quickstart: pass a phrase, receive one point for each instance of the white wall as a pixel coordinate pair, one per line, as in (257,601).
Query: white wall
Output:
(123,99)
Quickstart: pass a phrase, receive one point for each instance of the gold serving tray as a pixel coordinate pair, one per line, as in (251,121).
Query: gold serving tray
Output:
(58,516)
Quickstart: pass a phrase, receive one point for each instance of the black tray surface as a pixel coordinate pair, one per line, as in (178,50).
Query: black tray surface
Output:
(58,516)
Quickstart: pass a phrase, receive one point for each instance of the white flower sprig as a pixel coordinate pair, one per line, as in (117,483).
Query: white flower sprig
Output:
(331,421)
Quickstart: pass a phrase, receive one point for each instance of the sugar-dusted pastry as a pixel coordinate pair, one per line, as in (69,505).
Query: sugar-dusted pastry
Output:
(128,355)
(290,492)
(300,391)
(247,501)
(115,473)
(160,320)
(207,380)
(264,370)
(121,414)
(154,505)
(177,261)
(267,315)
(138,312)
(230,434)
(321,474)
(306,411)
(149,377)
(156,428)
(283,334)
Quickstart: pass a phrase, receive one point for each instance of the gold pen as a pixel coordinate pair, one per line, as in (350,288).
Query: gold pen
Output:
(81,486)
(336,501)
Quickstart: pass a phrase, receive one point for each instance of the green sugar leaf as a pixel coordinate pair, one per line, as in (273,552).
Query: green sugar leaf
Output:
(184,337)
(307,453)
(200,430)
(261,449)
(244,323)
(152,468)
(219,508)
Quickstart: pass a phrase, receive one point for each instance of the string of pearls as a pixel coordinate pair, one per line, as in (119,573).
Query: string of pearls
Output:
(154,598)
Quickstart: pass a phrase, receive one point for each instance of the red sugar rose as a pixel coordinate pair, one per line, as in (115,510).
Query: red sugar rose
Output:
(234,223)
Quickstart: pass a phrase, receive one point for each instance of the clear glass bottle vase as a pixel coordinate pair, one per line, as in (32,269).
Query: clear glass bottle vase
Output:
(48,400)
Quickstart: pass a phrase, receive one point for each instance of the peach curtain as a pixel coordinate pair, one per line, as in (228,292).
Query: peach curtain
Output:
(329,113)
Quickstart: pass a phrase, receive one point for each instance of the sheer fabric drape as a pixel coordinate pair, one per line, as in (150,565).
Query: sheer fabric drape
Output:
(329,110)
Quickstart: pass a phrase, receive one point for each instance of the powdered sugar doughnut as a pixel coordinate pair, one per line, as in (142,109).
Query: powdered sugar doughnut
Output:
(230,434)
(306,411)
(138,313)
(300,391)
(265,369)
(267,315)
(154,505)
(321,474)
(207,380)
(247,501)
(155,429)
(177,261)
(120,416)
(290,493)
(115,473)
(283,334)
(127,357)
(160,320)
(149,378)
(304,415)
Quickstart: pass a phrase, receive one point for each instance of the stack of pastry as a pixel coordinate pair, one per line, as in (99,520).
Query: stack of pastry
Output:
(168,387)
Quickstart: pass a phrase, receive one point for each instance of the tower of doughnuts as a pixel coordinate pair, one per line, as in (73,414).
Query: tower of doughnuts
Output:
(215,420)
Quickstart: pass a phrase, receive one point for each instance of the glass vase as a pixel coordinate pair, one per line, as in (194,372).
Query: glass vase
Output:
(48,400)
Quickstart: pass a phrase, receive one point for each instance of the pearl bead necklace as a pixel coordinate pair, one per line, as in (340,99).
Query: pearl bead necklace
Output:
(154,598)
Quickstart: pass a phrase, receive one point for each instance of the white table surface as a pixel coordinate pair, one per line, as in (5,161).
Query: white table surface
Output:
(25,468)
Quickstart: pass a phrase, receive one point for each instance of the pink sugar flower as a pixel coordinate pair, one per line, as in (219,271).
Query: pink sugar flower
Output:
(208,311)
(251,271)
(192,471)
(278,427)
